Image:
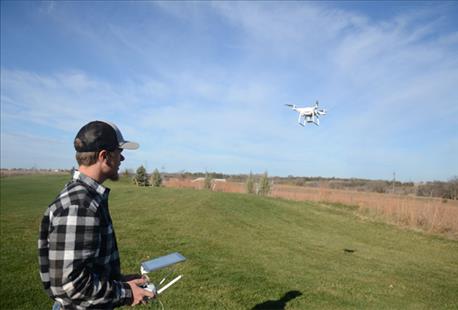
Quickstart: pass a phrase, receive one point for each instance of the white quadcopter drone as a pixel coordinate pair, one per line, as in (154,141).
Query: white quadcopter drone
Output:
(308,114)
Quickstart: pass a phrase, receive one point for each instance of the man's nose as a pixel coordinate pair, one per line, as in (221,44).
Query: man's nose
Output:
(122,157)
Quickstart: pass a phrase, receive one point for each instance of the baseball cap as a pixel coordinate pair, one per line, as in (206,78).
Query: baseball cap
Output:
(97,135)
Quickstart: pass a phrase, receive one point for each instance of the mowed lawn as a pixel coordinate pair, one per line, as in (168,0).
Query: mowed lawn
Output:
(243,251)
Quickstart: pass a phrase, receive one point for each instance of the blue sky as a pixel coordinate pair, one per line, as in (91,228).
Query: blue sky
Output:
(202,85)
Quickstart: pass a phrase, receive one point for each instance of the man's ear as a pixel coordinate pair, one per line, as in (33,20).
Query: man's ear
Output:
(103,155)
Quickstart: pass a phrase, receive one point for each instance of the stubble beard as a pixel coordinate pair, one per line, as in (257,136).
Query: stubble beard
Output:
(114,176)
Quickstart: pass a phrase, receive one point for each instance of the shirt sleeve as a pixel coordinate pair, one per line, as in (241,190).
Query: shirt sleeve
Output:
(74,245)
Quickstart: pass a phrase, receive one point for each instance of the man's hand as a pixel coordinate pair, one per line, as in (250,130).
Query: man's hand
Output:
(138,293)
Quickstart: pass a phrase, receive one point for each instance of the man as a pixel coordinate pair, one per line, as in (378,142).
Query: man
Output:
(78,253)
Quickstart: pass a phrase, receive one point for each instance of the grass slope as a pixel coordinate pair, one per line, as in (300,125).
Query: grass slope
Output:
(243,251)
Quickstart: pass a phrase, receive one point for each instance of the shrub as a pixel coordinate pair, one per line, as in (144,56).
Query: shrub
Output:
(264,185)
(207,181)
(156,179)
(250,189)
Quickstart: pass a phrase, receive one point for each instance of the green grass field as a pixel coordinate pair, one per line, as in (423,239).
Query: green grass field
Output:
(243,251)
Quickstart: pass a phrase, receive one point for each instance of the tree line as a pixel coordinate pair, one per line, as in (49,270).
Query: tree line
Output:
(261,184)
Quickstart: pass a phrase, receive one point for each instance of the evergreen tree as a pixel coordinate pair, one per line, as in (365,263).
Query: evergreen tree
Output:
(264,185)
(141,179)
(156,179)
(250,189)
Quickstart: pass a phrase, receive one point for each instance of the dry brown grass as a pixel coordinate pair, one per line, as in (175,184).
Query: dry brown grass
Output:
(428,214)
(183,183)
(229,187)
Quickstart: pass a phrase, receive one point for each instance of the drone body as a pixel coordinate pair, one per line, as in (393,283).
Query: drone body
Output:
(308,114)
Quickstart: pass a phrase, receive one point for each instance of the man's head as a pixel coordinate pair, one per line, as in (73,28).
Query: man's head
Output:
(99,145)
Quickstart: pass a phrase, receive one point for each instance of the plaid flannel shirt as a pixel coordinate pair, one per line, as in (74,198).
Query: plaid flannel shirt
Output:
(78,254)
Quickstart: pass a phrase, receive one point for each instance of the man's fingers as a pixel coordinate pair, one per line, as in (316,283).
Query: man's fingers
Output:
(148,294)
(139,282)
(139,294)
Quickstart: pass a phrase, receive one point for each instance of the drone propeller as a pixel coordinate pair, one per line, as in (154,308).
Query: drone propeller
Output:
(317,111)
(321,111)
(289,105)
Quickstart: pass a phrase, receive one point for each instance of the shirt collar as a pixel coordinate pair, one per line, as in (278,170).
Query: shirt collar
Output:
(99,188)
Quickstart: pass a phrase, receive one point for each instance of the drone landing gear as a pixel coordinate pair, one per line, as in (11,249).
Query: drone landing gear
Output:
(314,120)
(299,120)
